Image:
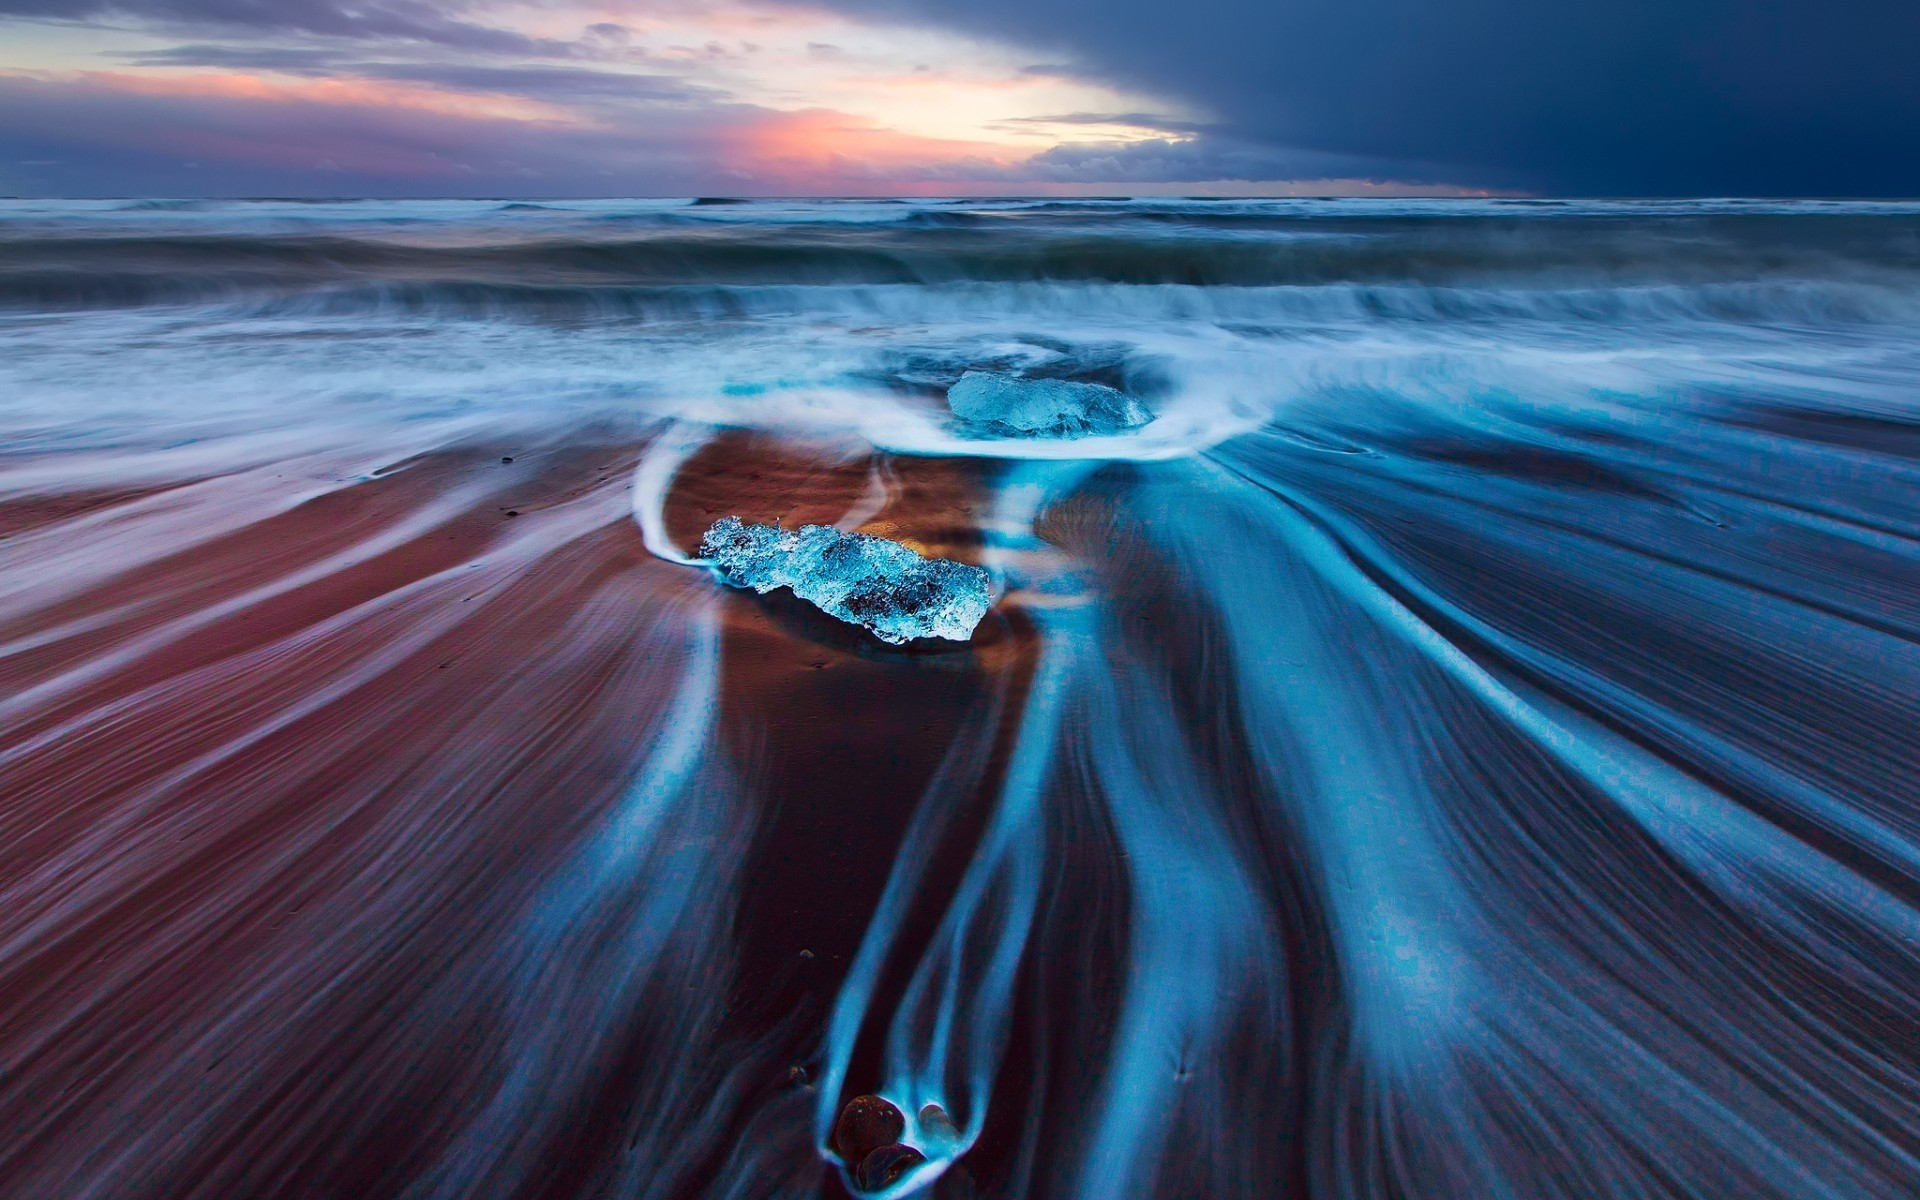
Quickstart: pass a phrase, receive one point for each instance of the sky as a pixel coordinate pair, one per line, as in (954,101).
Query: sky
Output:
(565,98)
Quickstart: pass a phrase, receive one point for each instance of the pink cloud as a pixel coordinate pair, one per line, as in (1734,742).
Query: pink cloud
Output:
(814,146)
(238,85)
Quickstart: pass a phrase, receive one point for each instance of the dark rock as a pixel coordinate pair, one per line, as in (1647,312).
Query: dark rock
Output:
(866,1124)
(885,1165)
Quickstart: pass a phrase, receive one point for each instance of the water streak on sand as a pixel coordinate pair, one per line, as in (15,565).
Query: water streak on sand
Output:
(1463,746)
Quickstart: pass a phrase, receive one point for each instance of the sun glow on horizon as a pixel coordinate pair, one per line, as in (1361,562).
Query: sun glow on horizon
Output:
(777,97)
(917,81)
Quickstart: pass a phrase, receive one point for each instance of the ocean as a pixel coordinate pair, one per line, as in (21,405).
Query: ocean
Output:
(1466,743)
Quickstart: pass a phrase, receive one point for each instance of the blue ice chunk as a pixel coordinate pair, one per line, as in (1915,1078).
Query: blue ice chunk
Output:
(1018,407)
(864,580)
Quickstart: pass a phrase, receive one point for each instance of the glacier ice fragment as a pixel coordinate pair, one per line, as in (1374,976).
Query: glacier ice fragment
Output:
(864,580)
(1018,407)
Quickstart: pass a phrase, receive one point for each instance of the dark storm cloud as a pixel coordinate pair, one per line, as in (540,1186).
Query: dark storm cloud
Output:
(1575,96)
(1208,157)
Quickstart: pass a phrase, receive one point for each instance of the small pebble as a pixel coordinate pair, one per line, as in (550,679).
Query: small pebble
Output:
(506,460)
(885,1165)
(866,1124)
(937,1127)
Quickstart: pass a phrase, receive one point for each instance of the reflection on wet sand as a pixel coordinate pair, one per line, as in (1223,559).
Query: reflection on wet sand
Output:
(1485,771)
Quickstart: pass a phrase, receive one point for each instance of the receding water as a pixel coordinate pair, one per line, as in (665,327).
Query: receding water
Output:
(1466,744)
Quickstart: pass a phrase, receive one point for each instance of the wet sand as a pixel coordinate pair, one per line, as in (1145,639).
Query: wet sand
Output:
(272,796)
(415,831)
(1463,746)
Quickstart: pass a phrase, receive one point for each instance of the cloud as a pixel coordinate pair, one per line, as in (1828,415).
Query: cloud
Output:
(559,84)
(656,102)
(367,20)
(116,135)
(1585,96)
(419,130)
(1188,160)
(292,59)
(1137,120)
(1653,97)
(111,139)
(239,135)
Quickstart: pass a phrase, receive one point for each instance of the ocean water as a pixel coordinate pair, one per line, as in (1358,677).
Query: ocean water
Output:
(1466,744)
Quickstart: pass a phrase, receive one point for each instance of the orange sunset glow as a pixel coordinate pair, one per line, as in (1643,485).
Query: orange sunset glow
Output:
(669,97)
